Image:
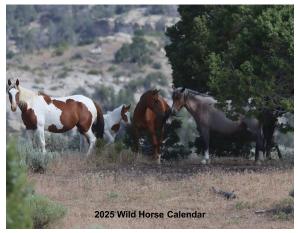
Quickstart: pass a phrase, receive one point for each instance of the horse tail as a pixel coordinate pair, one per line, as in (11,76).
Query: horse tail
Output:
(98,125)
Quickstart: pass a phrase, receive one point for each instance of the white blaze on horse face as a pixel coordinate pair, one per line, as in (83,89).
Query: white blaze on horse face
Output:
(13,92)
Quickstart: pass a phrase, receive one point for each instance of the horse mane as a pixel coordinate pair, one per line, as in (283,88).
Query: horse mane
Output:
(204,97)
(193,92)
(26,95)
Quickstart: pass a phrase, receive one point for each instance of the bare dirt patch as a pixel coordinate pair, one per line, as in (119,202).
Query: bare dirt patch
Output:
(82,188)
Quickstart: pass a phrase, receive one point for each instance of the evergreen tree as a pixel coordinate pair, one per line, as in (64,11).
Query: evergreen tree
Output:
(237,53)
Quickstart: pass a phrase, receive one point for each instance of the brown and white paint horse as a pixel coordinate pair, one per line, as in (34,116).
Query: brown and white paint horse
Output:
(208,118)
(113,120)
(56,114)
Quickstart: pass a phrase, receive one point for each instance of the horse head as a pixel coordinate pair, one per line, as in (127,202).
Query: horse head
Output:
(13,93)
(125,114)
(154,102)
(178,99)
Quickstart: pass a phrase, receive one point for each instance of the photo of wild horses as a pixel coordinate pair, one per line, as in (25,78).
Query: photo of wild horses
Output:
(150,116)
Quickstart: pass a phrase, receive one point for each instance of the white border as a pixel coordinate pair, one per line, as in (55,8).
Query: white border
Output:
(152,2)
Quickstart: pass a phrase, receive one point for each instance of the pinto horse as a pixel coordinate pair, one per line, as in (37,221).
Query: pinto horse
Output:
(208,118)
(113,120)
(150,114)
(56,114)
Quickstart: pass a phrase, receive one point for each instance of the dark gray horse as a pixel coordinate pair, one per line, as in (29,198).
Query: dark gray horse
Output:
(208,118)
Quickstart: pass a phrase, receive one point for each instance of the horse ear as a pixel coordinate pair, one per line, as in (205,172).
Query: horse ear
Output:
(182,90)
(127,107)
(9,82)
(17,82)
(155,92)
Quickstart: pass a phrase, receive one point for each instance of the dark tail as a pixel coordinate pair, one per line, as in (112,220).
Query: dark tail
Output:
(98,126)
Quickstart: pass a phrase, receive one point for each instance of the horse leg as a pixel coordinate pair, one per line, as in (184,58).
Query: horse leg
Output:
(41,137)
(91,139)
(136,136)
(259,149)
(81,145)
(155,144)
(30,136)
(110,139)
(278,152)
(204,131)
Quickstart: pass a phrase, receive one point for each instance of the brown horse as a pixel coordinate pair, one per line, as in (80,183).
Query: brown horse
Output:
(150,114)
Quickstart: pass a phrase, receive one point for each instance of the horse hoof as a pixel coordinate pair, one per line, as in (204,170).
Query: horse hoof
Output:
(203,161)
(157,161)
(258,162)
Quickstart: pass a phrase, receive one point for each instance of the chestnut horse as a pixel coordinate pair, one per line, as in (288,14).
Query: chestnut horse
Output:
(56,114)
(150,114)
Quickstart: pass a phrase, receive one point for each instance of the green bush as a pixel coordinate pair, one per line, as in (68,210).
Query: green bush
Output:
(9,54)
(116,153)
(56,146)
(60,49)
(45,211)
(157,77)
(109,99)
(18,214)
(93,72)
(139,51)
(156,65)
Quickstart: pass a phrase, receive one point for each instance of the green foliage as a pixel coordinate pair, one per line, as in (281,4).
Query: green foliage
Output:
(60,49)
(172,147)
(114,154)
(139,51)
(109,99)
(156,65)
(236,52)
(45,211)
(94,72)
(18,214)
(32,157)
(157,78)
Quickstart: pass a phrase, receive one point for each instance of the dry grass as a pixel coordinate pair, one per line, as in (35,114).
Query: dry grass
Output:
(82,188)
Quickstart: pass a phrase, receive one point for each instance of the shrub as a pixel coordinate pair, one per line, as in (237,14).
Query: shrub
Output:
(10,54)
(60,49)
(18,214)
(45,211)
(139,51)
(112,68)
(94,72)
(156,65)
(157,77)
(56,144)
(77,56)
(172,148)
(110,99)
(115,153)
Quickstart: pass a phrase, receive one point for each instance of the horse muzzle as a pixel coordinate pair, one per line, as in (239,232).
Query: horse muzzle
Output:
(173,111)
(13,108)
